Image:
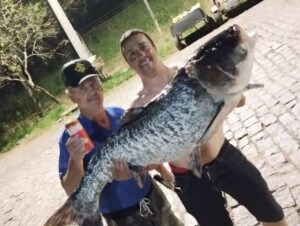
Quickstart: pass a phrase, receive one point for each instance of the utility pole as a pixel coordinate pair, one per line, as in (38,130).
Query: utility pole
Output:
(152,16)
(77,43)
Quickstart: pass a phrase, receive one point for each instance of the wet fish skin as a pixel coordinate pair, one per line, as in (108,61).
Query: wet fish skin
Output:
(177,121)
(151,138)
(223,65)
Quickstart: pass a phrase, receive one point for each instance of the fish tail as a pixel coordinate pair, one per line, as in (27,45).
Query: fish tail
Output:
(64,216)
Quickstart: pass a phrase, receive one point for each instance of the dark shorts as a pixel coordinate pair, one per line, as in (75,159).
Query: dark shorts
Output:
(233,174)
(154,210)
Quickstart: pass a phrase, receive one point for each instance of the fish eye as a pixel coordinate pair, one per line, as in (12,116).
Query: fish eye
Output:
(242,50)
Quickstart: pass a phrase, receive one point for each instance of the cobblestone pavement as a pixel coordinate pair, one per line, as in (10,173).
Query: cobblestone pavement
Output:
(267,129)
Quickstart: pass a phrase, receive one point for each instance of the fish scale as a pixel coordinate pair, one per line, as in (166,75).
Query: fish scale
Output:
(157,129)
(175,123)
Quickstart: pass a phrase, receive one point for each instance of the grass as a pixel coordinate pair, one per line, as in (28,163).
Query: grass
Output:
(34,124)
(116,79)
(27,127)
(165,46)
(103,40)
(52,81)
(17,112)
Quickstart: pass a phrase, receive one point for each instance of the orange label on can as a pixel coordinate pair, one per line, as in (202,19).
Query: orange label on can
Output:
(74,128)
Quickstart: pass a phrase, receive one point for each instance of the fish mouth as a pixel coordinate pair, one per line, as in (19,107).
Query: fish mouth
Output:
(252,34)
(249,36)
(230,74)
(223,61)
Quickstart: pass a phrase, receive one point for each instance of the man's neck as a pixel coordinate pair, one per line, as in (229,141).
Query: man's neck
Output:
(100,117)
(158,81)
(153,85)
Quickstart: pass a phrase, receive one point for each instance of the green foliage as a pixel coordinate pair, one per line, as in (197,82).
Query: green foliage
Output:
(52,81)
(19,133)
(17,110)
(26,127)
(23,124)
(116,79)
(166,47)
(19,35)
(75,10)
(53,115)
(83,13)
(103,40)
(25,41)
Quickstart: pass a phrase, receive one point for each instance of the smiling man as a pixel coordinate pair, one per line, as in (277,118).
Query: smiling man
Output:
(225,168)
(122,202)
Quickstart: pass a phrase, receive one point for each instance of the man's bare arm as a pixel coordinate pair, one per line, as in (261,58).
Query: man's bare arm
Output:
(72,178)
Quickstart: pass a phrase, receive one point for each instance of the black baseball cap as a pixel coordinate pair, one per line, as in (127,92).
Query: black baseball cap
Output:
(76,71)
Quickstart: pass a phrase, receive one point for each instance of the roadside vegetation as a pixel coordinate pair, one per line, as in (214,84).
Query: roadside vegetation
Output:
(52,113)
(103,40)
(21,117)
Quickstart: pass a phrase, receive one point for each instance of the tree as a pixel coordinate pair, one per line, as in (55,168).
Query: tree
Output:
(84,14)
(28,33)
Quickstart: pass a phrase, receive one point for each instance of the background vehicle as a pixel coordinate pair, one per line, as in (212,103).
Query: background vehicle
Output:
(229,8)
(190,26)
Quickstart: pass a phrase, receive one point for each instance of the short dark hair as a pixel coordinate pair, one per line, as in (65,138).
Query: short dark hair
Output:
(129,33)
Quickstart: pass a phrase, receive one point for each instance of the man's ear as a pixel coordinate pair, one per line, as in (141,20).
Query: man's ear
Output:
(72,95)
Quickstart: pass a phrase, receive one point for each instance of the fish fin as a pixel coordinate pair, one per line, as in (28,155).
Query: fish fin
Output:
(195,161)
(228,74)
(65,215)
(139,174)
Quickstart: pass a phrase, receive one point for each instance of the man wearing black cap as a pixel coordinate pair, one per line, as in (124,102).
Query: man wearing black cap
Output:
(122,199)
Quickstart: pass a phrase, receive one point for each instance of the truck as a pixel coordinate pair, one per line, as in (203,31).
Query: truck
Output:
(190,26)
(222,9)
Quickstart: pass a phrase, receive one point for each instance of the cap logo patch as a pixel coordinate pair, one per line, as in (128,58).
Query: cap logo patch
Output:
(79,67)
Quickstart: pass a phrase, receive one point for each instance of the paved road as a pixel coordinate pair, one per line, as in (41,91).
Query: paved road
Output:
(267,129)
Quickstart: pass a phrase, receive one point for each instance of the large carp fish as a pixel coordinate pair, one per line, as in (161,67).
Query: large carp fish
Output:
(175,122)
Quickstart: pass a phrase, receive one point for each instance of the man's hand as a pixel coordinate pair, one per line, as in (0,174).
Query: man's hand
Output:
(121,171)
(71,180)
(75,146)
(167,176)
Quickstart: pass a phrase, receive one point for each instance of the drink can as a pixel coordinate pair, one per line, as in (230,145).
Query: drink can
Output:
(74,128)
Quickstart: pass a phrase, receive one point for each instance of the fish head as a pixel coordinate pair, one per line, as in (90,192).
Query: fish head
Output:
(223,65)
